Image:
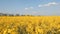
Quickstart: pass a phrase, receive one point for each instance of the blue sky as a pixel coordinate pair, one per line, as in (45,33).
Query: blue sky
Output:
(32,7)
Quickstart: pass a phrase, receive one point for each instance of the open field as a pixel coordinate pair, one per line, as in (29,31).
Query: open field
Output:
(30,25)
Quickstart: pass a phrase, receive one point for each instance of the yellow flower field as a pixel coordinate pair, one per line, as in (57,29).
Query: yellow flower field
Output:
(29,24)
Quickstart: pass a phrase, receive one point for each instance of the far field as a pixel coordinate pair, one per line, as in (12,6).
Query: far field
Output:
(29,24)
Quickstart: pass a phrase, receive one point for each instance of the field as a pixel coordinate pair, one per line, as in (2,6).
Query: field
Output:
(29,24)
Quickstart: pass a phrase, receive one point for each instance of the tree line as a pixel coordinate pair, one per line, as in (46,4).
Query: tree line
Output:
(4,14)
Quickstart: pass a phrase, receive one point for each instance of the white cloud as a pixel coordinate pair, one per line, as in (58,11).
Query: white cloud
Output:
(48,4)
(39,5)
(29,8)
(26,8)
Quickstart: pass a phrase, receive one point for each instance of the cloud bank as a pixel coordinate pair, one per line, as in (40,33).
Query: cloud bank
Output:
(43,5)
(48,4)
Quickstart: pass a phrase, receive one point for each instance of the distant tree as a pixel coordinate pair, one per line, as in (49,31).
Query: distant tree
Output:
(17,15)
(1,14)
(4,14)
(27,15)
(11,15)
(22,15)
